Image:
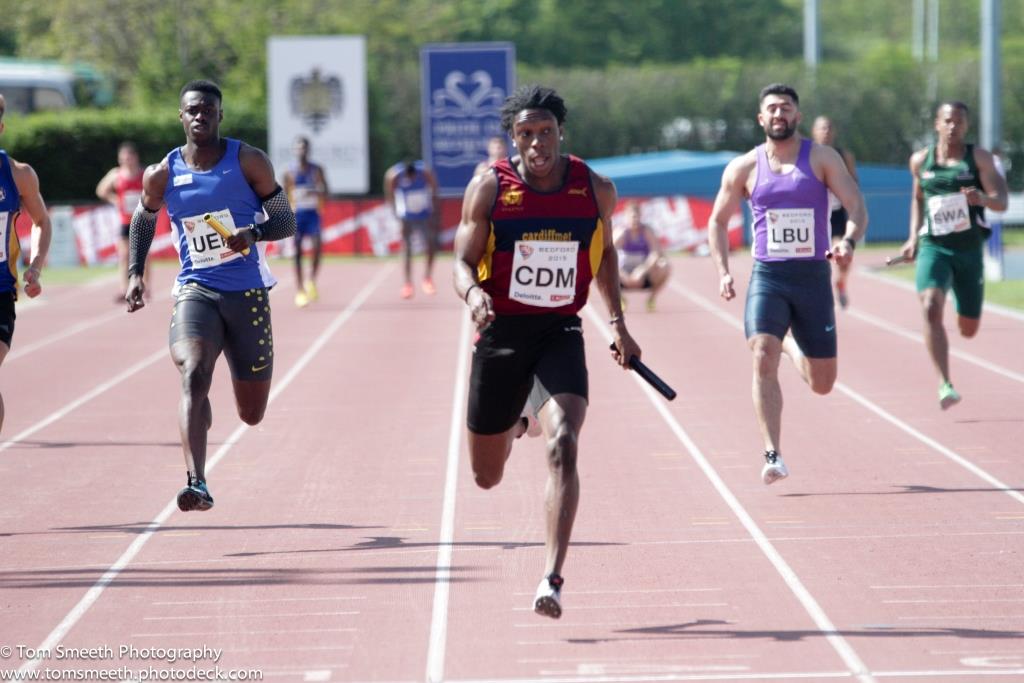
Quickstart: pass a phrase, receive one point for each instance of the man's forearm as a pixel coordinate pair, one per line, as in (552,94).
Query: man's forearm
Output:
(608,282)
(280,222)
(718,242)
(41,235)
(140,237)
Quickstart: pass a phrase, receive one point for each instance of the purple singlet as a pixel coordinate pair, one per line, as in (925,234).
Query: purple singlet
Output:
(791,211)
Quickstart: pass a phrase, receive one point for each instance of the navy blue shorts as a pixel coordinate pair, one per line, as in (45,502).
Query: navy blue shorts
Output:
(307,223)
(520,357)
(797,296)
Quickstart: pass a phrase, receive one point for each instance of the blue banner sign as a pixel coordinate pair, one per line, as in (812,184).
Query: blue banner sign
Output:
(462,90)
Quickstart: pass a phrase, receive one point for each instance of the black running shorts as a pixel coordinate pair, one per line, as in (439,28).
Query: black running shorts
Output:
(7,317)
(793,295)
(237,322)
(519,357)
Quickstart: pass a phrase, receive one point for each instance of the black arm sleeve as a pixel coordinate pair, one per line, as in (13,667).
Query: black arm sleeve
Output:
(280,217)
(140,237)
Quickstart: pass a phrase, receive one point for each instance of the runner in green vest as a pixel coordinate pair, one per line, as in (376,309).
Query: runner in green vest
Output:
(954,182)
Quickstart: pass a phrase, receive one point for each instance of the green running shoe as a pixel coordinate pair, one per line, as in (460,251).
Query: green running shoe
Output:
(948,396)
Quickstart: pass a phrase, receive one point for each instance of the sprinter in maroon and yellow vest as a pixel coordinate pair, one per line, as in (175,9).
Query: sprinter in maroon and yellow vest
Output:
(544,247)
(535,230)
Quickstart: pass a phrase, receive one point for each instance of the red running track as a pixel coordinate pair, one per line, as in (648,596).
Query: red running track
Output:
(349,543)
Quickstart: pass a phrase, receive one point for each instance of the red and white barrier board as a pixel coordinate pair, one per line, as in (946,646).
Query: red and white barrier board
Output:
(368,227)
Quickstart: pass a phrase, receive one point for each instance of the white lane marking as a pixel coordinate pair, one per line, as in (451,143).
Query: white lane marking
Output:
(94,593)
(259,615)
(320,675)
(248,600)
(662,605)
(750,676)
(442,575)
(949,586)
(972,601)
(845,651)
(910,287)
(919,339)
(83,399)
(20,351)
(877,410)
(245,632)
(935,445)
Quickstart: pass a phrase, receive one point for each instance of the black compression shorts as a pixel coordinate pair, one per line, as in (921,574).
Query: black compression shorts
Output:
(797,296)
(7,317)
(838,220)
(524,356)
(237,322)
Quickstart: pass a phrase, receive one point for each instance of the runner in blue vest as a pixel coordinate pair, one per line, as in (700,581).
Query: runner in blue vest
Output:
(410,189)
(306,186)
(19,190)
(222,292)
(789,301)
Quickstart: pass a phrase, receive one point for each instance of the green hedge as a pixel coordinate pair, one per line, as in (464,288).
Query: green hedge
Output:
(72,150)
(883,105)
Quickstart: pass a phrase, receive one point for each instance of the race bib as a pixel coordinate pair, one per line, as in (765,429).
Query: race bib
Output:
(790,233)
(544,273)
(949,214)
(416,201)
(4,215)
(305,198)
(130,201)
(205,245)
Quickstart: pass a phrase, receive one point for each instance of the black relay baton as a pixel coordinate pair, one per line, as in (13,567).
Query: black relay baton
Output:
(648,376)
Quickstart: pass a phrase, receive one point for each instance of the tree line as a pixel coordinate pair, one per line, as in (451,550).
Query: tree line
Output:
(639,76)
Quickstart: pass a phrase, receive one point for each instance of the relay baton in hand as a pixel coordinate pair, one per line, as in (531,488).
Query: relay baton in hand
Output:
(648,376)
(896,260)
(221,229)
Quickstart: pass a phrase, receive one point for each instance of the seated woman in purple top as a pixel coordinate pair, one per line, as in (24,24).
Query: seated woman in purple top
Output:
(642,264)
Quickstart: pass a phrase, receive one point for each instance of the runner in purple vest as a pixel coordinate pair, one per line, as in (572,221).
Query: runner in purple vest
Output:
(789,301)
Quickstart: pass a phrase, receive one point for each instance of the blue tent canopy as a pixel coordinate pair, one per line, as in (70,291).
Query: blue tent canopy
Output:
(699,174)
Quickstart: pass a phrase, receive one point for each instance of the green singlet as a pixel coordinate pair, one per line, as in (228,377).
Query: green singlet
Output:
(950,242)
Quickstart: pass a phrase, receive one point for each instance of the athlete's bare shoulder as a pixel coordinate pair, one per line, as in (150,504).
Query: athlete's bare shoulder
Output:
(604,192)
(482,188)
(154,178)
(917,158)
(247,152)
(739,169)
(21,170)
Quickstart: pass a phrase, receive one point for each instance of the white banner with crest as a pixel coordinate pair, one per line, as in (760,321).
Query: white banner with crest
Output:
(316,88)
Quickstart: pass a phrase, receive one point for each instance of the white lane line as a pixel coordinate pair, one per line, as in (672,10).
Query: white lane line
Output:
(910,287)
(659,605)
(83,399)
(249,600)
(442,575)
(217,633)
(918,338)
(706,305)
(845,651)
(935,445)
(972,601)
(749,676)
(656,678)
(94,593)
(259,615)
(67,332)
(949,586)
